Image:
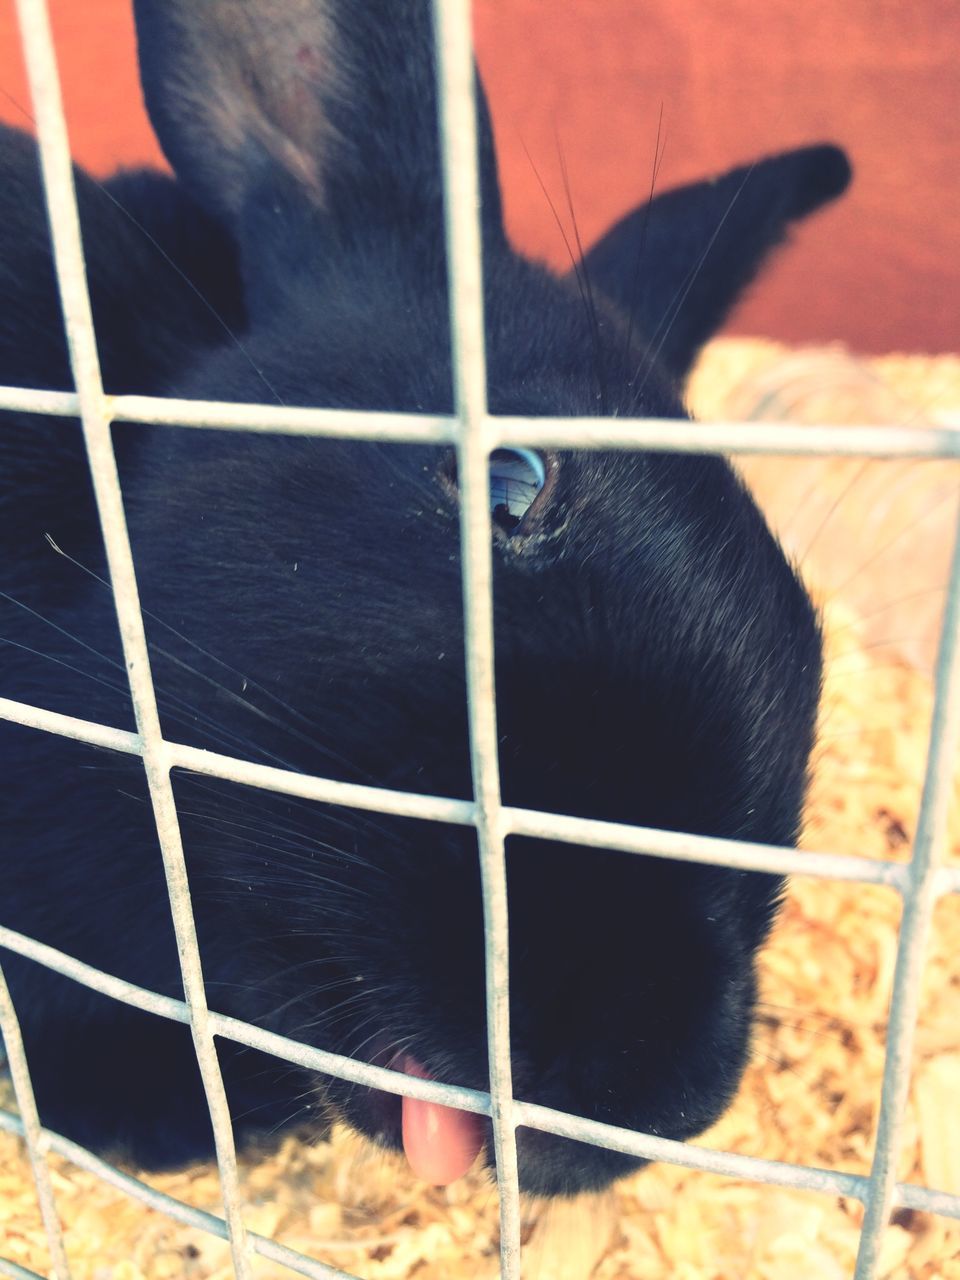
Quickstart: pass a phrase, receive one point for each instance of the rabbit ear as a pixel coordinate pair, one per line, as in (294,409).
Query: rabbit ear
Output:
(679,263)
(330,98)
(231,84)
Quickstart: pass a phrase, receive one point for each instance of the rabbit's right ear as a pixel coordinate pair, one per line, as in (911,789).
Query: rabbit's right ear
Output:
(333,100)
(679,263)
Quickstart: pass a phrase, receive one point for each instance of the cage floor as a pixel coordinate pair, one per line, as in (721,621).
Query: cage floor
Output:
(812,1093)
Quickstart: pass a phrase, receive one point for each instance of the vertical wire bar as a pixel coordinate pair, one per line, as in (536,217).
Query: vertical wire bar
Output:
(455,72)
(75,300)
(919,900)
(36,1146)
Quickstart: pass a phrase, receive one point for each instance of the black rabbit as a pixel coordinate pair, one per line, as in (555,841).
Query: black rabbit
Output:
(658,661)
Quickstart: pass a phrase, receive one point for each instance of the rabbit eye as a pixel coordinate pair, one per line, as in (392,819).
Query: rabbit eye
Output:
(516,477)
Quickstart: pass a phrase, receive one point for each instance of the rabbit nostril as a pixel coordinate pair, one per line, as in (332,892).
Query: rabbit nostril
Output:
(516,477)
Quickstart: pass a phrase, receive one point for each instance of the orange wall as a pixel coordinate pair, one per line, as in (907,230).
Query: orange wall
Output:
(881,271)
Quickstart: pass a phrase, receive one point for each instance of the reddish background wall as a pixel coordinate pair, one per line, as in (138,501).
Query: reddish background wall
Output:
(882,77)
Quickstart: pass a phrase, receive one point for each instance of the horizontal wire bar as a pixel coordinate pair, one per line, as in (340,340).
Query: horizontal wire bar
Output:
(669,1151)
(943,1203)
(727,1163)
(681,435)
(664,1150)
(299,1263)
(96,979)
(16,1272)
(33,400)
(98,735)
(363,1073)
(590,832)
(404,428)
(246,1033)
(407,804)
(653,842)
(660,434)
(178,1210)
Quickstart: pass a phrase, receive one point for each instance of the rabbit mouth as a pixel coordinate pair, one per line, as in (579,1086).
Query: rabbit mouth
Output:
(440,1143)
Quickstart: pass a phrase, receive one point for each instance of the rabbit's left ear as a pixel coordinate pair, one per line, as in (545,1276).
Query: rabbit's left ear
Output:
(333,102)
(231,86)
(679,263)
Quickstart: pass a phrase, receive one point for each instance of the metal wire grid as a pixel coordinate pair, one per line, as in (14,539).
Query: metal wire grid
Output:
(920,882)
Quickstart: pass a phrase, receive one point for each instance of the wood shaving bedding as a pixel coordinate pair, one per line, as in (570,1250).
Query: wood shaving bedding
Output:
(812,1092)
(875,533)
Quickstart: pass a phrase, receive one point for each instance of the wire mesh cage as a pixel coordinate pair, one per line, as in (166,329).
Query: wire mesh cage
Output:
(476,436)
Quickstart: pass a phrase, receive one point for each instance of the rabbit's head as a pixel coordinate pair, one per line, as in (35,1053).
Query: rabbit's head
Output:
(657,660)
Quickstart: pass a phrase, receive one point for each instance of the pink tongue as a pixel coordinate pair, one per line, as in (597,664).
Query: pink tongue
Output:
(441,1143)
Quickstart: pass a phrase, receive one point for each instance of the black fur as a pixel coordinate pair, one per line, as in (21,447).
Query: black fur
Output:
(657,660)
